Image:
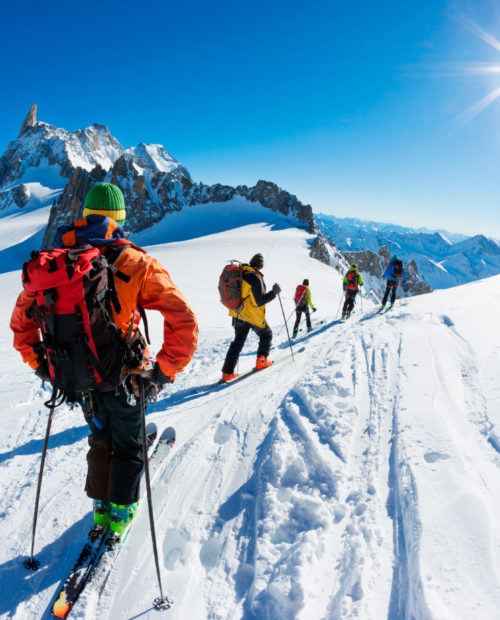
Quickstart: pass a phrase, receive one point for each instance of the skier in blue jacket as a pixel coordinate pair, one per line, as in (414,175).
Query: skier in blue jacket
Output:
(394,274)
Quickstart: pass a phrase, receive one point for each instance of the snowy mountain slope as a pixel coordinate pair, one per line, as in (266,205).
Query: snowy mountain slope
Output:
(46,165)
(442,263)
(359,481)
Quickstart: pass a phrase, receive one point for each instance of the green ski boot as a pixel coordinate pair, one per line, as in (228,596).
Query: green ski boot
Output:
(121,516)
(101,512)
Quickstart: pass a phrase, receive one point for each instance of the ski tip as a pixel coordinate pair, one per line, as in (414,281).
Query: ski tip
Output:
(168,434)
(61,607)
(151,428)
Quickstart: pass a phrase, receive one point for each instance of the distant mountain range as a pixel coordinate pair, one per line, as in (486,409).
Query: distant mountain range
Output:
(443,259)
(54,168)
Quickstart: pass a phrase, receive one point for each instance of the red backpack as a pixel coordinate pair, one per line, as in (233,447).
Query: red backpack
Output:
(230,286)
(300,293)
(352,279)
(397,269)
(74,294)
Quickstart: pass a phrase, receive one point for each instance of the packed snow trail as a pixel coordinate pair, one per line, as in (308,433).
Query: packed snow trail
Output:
(359,481)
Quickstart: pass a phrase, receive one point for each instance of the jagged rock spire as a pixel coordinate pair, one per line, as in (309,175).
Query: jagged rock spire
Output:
(29,121)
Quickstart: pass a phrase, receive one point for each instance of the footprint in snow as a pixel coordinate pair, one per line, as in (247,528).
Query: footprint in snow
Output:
(432,457)
(339,513)
(223,433)
(173,547)
(209,553)
(447,321)
(342,392)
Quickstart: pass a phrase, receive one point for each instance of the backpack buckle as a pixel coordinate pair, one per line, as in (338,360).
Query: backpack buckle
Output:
(50,297)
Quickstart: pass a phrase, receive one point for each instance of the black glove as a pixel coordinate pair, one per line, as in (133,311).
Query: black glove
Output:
(42,372)
(158,378)
(314,309)
(276,289)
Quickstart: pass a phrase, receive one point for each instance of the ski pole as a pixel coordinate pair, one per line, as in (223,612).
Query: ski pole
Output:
(286,322)
(287,332)
(33,564)
(361,297)
(294,310)
(340,303)
(162,601)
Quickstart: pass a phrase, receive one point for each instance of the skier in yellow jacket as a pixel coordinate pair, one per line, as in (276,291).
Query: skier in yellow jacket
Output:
(251,317)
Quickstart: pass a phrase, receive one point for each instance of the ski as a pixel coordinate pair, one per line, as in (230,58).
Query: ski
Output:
(317,326)
(219,385)
(91,552)
(114,544)
(77,578)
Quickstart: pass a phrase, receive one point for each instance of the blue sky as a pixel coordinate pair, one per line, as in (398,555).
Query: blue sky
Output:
(357,108)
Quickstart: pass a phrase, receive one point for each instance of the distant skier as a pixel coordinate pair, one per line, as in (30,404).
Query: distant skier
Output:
(302,304)
(351,284)
(49,338)
(394,274)
(252,316)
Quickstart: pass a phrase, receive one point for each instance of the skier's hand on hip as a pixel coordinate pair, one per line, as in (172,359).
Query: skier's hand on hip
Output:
(158,378)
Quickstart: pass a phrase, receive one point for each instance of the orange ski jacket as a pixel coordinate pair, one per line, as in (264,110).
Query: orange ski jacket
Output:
(151,286)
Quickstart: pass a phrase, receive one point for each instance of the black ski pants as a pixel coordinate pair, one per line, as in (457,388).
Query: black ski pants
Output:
(350,296)
(391,285)
(298,314)
(115,458)
(241,329)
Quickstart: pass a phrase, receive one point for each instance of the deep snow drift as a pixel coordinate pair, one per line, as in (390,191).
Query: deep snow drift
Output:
(359,481)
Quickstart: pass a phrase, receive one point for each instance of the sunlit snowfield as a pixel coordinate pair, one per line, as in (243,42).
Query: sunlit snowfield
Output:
(360,480)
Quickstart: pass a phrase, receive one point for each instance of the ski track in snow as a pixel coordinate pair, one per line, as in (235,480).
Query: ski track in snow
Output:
(335,486)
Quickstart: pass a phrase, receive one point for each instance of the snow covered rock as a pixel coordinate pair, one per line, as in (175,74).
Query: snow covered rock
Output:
(66,164)
(372,266)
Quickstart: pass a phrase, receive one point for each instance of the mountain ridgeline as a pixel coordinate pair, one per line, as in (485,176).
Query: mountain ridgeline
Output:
(48,166)
(46,162)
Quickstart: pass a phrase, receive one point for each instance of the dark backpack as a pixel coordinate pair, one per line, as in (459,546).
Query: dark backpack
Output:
(300,293)
(397,269)
(230,286)
(352,280)
(74,294)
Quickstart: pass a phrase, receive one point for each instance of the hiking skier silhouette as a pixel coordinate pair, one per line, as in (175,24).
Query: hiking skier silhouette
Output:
(351,283)
(251,316)
(394,274)
(97,364)
(303,302)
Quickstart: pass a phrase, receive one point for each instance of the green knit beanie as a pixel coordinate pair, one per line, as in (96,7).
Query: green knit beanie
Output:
(106,199)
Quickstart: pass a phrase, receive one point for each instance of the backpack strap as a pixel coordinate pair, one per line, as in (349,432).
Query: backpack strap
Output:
(112,254)
(144,321)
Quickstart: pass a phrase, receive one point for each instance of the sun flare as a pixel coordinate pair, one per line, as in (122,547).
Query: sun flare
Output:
(480,68)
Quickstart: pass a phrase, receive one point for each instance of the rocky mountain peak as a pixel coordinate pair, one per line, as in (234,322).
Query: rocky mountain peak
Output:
(29,121)
(47,164)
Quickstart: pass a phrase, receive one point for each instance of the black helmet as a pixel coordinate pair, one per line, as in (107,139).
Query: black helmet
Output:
(354,266)
(305,282)
(257,261)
